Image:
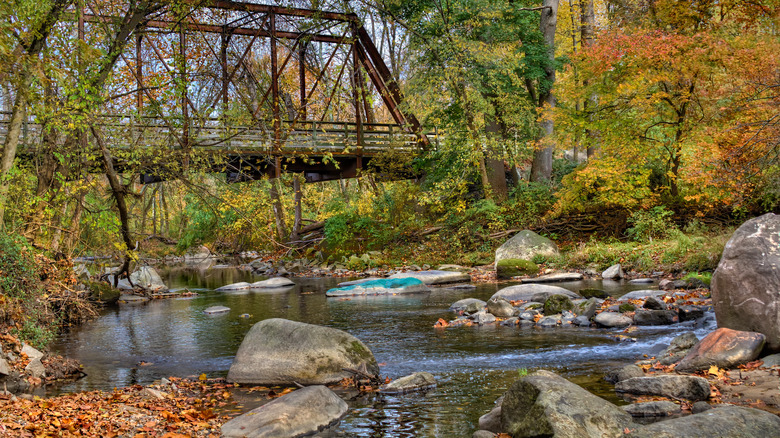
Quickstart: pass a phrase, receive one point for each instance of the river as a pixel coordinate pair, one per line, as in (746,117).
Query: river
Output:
(138,344)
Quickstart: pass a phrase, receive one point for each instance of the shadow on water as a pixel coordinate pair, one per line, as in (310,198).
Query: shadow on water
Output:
(137,344)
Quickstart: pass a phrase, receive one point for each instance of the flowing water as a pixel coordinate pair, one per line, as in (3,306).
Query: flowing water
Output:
(138,344)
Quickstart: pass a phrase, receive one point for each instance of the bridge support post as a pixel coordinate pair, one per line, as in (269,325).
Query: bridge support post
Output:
(275,84)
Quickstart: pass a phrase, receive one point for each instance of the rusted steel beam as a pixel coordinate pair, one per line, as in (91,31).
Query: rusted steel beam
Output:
(302,79)
(357,79)
(225,38)
(212,28)
(390,83)
(338,80)
(269,9)
(376,79)
(139,66)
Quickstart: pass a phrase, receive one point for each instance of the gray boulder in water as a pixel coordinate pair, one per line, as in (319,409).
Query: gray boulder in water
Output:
(299,413)
(746,284)
(420,381)
(533,292)
(545,404)
(282,352)
(726,421)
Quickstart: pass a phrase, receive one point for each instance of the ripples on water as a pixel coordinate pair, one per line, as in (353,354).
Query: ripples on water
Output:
(473,365)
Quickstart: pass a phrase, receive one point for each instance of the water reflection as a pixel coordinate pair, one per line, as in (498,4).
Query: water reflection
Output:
(474,365)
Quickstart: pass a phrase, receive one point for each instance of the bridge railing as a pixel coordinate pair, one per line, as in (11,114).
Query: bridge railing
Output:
(304,137)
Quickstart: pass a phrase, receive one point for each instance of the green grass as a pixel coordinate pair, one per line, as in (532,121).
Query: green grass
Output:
(678,252)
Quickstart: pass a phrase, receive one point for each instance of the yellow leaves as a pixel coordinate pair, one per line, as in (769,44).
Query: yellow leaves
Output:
(717,372)
(202,377)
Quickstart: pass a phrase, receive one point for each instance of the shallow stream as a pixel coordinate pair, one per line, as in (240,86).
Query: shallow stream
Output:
(138,344)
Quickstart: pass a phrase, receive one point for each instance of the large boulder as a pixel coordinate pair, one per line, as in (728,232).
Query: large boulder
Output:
(435,277)
(667,385)
(726,421)
(299,413)
(148,279)
(201,258)
(533,292)
(545,404)
(746,284)
(385,286)
(614,272)
(525,245)
(282,352)
(724,348)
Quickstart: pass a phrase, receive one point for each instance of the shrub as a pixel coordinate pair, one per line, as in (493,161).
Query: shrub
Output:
(21,292)
(655,223)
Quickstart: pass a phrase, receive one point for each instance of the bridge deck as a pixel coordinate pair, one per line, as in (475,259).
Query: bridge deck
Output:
(331,150)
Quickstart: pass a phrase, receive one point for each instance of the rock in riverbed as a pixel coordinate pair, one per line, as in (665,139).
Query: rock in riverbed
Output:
(271,283)
(555,278)
(235,286)
(435,277)
(468,305)
(667,385)
(421,381)
(282,352)
(746,284)
(724,348)
(299,413)
(214,310)
(388,286)
(533,292)
(726,421)
(545,404)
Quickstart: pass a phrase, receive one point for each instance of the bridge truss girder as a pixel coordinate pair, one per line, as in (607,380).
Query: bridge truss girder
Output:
(233,35)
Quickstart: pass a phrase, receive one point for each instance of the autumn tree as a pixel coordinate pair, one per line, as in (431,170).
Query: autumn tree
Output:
(673,92)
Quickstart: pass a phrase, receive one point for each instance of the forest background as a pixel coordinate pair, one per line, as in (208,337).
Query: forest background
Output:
(634,131)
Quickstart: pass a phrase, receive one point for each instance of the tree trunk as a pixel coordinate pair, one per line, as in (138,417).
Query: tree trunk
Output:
(76,221)
(118,191)
(30,51)
(281,226)
(541,168)
(298,195)
(494,161)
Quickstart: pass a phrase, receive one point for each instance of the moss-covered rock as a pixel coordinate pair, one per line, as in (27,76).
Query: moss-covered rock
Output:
(557,304)
(282,352)
(626,307)
(509,268)
(102,292)
(593,293)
